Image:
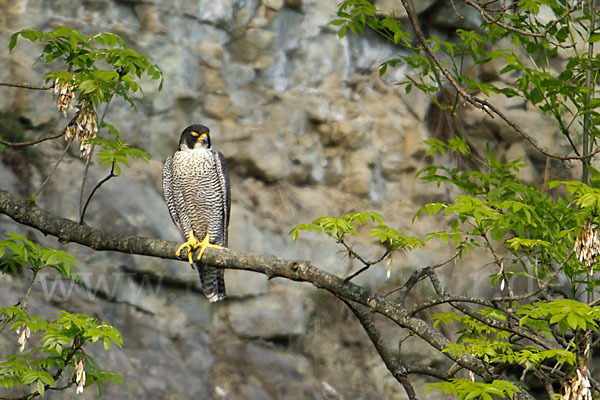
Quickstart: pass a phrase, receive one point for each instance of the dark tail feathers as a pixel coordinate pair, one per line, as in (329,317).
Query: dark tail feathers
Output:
(212,281)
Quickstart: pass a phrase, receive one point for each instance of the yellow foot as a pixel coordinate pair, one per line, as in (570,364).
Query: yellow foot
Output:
(204,244)
(193,244)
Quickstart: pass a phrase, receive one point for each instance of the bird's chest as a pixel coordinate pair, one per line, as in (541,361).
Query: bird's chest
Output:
(197,164)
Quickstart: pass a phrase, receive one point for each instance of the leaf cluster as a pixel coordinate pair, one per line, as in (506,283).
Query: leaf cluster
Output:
(526,52)
(63,336)
(95,65)
(530,224)
(338,227)
(465,389)
(18,252)
(116,150)
(538,231)
(97,68)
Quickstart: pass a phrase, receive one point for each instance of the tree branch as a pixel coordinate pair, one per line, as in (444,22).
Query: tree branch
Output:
(367,264)
(32,142)
(27,86)
(70,231)
(494,323)
(491,20)
(398,370)
(87,163)
(22,303)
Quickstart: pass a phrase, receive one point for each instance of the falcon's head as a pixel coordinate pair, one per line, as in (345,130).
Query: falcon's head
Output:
(195,137)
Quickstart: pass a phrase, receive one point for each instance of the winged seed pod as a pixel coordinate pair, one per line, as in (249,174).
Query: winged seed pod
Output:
(65,95)
(80,375)
(83,126)
(23,336)
(578,388)
(587,246)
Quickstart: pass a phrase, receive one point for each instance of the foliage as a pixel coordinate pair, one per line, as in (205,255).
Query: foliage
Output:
(82,56)
(96,68)
(63,337)
(560,94)
(88,72)
(116,150)
(465,389)
(337,228)
(530,233)
(538,231)
(23,253)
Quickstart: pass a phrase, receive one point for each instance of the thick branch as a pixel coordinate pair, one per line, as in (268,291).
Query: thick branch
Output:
(69,231)
(398,370)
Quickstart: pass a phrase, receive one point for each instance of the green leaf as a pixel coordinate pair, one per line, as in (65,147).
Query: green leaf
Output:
(29,34)
(594,37)
(40,387)
(13,41)
(47,378)
(337,22)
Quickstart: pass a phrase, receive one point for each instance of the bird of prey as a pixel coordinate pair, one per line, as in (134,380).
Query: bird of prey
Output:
(196,189)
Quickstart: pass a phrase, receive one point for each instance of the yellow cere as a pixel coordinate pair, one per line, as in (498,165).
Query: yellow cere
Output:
(201,136)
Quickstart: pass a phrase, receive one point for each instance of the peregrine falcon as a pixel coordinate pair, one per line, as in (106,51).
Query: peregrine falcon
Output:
(196,189)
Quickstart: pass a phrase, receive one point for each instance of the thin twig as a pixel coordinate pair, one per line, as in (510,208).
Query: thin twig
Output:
(110,175)
(23,301)
(590,85)
(22,144)
(55,166)
(87,164)
(491,20)
(27,86)
(411,369)
(498,261)
(367,264)
(416,276)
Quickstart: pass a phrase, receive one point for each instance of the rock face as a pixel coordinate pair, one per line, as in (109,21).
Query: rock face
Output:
(308,129)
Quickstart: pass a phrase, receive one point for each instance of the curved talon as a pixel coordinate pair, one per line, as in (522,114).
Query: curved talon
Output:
(193,243)
(204,244)
(190,245)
